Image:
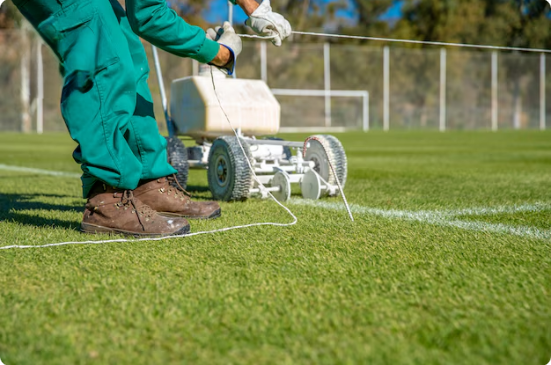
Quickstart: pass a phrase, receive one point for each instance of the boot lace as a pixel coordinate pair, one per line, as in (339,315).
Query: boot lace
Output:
(179,191)
(143,212)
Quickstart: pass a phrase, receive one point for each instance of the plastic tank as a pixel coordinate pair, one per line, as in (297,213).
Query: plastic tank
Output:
(249,105)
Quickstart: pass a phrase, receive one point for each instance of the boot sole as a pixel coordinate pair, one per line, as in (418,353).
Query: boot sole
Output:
(94,229)
(216,214)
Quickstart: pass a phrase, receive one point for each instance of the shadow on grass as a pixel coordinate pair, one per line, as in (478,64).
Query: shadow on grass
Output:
(11,206)
(25,208)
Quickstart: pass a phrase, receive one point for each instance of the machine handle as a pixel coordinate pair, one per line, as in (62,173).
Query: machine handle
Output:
(159,72)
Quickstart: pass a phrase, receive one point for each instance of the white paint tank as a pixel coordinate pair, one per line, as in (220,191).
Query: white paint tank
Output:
(249,104)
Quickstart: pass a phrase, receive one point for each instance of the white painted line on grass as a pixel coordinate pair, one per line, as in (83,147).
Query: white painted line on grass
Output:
(522,231)
(530,208)
(444,218)
(38,171)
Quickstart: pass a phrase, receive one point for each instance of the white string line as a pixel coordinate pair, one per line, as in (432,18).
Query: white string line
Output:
(338,184)
(295,220)
(243,150)
(122,240)
(436,218)
(410,41)
(256,36)
(262,187)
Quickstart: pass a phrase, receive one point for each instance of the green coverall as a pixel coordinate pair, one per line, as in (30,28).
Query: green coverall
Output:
(106,102)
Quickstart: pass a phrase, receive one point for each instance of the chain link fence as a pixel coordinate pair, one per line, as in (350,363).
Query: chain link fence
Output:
(408,88)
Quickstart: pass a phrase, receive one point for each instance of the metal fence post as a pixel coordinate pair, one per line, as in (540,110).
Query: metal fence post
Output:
(542,92)
(442,89)
(263,62)
(494,91)
(25,93)
(327,83)
(366,112)
(40,88)
(386,87)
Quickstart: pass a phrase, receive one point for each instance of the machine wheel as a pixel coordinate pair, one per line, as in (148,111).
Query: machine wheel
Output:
(286,149)
(177,157)
(229,175)
(283,182)
(324,149)
(342,165)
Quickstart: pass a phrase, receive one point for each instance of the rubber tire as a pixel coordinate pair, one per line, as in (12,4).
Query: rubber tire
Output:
(229,175)
(335,154)
(340,155)
(177,157)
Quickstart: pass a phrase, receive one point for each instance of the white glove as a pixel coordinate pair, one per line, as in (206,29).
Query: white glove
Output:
(227,37)
(269,24)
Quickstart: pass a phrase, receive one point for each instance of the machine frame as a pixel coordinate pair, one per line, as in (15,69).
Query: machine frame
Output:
(230,164)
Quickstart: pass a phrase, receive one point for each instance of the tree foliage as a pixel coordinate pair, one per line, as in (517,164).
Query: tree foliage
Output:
(518,23)
(370,12)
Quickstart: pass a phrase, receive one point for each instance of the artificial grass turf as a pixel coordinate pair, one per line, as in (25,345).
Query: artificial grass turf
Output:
(326,290)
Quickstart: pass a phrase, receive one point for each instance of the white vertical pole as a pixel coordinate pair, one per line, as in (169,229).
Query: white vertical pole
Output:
(366,111)
(230,12)
(494,91)
(542,92)
(443,90)
(40,89)
(327,82)
(194,68)
(164,100)
(386,87)
(263,62)
(25,81)
(230,19)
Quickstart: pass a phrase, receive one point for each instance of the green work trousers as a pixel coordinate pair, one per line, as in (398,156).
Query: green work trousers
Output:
(105,102)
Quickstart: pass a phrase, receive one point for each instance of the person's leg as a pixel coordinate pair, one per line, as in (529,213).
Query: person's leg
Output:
(99,95)
(98,100)
(106,103)
(144,138)
(157,189)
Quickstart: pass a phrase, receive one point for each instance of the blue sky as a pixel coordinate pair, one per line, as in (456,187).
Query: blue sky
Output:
(218,12)
(394,12)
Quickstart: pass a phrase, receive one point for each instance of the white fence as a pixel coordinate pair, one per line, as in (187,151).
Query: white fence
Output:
(324,86)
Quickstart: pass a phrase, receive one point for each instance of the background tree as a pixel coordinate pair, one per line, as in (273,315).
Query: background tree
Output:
(369,16)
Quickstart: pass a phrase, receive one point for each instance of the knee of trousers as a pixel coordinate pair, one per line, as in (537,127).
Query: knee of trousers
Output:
(98,110)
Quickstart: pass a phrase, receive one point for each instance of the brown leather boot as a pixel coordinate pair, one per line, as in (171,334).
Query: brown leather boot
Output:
(110,210)
(168,200)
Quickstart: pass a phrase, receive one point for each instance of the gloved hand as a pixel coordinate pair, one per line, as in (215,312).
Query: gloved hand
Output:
(227,37)
(269,24)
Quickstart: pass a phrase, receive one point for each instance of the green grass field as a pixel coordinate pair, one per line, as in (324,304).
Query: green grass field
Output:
(448,262)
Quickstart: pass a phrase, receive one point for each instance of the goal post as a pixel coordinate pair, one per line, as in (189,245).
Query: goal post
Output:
(363,94)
